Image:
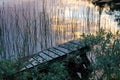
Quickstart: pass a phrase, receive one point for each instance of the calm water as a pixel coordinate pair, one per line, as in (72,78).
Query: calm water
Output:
(29,26)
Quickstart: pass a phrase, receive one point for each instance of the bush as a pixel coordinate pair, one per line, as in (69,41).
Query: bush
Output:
(106,47)
(8,68)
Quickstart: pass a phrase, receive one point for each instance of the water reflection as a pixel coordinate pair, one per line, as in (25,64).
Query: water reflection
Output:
(29,26)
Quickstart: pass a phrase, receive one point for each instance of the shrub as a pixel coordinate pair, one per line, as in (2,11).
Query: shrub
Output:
(106,47)
(8,68)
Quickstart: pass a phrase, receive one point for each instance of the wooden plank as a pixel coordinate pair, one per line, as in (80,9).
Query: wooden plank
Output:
(61,49)
(29,66)
(80,44)
(73,46)
(33,61)
(46,57)
(69,46)
(75,42)
(64,46)
(38,58)
(50,54)
(57,52)
(43,59)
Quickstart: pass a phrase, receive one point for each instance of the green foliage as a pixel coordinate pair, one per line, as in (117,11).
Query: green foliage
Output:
(91,39)
(74,57)
(0,50)
(57,71)
(106,47)
(8,68)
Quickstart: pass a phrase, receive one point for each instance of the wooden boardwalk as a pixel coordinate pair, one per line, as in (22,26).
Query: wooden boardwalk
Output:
(52,53)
